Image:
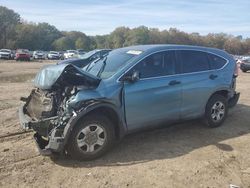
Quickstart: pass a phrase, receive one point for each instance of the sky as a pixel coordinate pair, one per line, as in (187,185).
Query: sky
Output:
(98,17)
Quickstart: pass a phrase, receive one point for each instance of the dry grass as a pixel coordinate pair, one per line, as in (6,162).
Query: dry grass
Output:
(184,155)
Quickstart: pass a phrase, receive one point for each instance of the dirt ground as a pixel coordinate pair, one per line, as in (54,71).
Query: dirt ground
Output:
(183,155)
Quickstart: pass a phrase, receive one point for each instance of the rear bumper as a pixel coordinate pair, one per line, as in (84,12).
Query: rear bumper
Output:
(22,58)
(234,100)
(47,146)
(39,57)
(54,57)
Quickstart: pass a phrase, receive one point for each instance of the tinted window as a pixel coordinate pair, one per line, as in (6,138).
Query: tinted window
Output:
(216,62)
(193,61)
(169,63)
(158,64)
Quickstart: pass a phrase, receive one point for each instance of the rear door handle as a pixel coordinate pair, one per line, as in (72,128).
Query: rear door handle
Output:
(213,76)
(174,82)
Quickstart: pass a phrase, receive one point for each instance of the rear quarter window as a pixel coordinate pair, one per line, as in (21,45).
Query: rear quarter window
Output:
(216,62)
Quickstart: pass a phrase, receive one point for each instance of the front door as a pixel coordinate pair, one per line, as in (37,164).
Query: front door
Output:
(156,96)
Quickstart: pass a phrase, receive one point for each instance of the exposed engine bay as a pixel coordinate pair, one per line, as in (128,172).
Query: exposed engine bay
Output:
(46,109)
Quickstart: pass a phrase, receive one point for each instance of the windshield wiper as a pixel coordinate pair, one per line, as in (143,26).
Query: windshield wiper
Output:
(102,67)
(89,67)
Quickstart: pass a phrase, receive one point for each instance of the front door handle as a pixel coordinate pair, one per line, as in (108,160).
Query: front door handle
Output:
(213,76)
(174,82)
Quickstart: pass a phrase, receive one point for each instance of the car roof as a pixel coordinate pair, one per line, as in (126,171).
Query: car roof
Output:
(152,48)
(5,49)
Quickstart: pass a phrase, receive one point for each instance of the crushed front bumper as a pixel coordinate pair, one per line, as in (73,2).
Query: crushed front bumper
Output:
(47,143)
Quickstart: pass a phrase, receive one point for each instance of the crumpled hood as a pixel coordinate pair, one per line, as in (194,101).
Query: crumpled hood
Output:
(75,61)
(64,75)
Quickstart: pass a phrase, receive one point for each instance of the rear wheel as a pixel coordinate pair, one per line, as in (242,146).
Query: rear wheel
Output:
(91,138)
(216,110)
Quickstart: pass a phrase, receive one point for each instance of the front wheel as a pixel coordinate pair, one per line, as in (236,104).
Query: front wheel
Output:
(216,111)
(91,138)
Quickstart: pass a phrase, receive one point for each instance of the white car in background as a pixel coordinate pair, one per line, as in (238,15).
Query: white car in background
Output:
(5,54)
(39,55)
(54,55)
(69,54)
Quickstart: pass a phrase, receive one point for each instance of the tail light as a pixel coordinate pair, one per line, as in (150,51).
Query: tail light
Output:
(236,70)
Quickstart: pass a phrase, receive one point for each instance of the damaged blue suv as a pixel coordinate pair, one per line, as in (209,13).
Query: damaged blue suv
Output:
(82,112)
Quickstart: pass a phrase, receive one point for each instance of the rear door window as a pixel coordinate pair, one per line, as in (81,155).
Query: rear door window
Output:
(216,62)
(193,61)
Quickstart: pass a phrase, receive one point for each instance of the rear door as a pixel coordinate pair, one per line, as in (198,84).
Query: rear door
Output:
(156,96)
(198,82)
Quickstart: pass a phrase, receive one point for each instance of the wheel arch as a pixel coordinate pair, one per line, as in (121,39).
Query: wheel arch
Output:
(222,92)
(110,113)
(106,109)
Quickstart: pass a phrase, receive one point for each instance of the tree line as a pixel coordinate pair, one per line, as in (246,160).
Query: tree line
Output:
(17,33)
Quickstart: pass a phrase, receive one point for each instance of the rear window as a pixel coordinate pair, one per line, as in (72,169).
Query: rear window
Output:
(22,51)
(216,62)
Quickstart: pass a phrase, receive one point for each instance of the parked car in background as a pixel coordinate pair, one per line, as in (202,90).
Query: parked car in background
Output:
(95,54)
(31,54)
(13,54)
(84,111)
(5,54)
(39,54)
(62,55)
(69,54)
(245,64)
(54,55)
(86,58)
(22,54)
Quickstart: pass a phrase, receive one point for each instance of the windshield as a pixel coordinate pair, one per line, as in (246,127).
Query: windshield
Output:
(8,51)
(88,54)
(54,52)
(109,65)
(247,60)
(71,51)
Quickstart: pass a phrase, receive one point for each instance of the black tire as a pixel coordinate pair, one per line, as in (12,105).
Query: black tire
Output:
(76,152)
(209,111)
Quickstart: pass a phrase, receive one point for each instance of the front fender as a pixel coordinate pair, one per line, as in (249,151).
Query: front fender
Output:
(90,107)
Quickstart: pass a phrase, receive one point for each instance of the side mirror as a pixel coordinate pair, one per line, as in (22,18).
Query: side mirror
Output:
(135,76)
